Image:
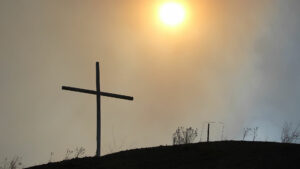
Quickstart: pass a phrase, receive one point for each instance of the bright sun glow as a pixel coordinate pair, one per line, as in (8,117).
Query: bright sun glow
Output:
(171,13)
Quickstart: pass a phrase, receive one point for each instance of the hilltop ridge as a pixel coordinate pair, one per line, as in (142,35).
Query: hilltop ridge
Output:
(212,155)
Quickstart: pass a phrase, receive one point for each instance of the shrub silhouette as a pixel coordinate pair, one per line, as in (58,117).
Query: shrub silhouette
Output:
(14,163)
(76,153)
(246,132)
(184,136)
(79,152)
(288,135)
(255,130)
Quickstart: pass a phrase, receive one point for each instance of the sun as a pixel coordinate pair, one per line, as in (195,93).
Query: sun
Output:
(171,13)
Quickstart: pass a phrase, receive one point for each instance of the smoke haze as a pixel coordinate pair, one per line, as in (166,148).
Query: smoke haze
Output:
(235,62)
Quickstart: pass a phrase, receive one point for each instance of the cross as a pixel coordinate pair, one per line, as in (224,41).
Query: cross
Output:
(98,93)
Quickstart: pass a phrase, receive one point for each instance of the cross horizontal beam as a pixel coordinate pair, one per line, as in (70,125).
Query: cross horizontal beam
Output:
(116,96)
(95,93)
(79,90)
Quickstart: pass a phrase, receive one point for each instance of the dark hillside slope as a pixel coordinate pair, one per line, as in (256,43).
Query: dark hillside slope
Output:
(221,155)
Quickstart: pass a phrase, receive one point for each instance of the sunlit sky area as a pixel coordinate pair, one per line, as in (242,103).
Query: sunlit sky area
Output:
(172,13)
(186,62)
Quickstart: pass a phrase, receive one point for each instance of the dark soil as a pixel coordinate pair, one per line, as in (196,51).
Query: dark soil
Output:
(213,155)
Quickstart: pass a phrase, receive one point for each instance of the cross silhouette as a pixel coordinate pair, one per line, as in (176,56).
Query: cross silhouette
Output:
(98,93)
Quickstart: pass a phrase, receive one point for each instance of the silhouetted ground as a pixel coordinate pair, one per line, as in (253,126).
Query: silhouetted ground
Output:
(221,155)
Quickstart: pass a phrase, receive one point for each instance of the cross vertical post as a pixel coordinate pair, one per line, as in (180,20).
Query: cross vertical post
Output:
(98,151)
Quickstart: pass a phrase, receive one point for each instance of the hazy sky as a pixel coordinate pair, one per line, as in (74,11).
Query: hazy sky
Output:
(231,61)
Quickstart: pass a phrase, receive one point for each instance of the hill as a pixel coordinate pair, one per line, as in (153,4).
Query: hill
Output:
(212,155)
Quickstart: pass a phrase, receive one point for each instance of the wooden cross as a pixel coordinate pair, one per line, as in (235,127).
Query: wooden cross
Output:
(98,93)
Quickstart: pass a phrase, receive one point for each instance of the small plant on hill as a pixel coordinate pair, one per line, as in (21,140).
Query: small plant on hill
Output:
(76,153)
(51,157)
(79,152)
(68,154)
(11,164)
(246,132)
(289,135)
(254,130)
(184,136)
